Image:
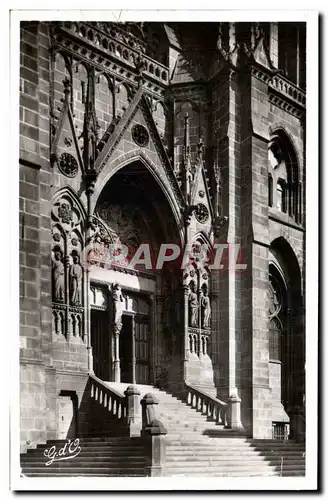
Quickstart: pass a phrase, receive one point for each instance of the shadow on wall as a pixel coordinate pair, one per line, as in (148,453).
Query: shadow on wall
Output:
(67,414)
(96,418)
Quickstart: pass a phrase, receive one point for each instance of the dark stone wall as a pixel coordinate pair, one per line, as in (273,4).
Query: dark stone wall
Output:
(35,235)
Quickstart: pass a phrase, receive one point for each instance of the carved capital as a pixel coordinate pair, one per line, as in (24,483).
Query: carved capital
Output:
(117,327)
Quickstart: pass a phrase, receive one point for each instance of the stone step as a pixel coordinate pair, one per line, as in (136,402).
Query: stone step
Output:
(87,462)
(205,461)
(206,442)
(186,420)
(178,460)
(223,467)
(223,474)
(231,458)
(273,442)
(86,474)
(101,451)
(85,444)
(234,464)
(109,439)
(279,448)
(193,417)
(190,468)
(283,448)
(88,470)
(189,432)
(98,449)
(214,453)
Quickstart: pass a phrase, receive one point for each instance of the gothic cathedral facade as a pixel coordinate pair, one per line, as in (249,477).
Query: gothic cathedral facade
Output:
(139,135)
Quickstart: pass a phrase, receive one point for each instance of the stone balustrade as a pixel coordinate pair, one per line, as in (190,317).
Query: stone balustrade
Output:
(116,46)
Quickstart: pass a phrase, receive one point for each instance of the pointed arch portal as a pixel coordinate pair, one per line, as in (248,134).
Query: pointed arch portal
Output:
(130,342)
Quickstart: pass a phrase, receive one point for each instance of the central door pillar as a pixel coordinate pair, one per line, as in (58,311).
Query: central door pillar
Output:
(117,368)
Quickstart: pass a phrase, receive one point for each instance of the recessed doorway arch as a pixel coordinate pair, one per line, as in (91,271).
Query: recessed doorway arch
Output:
(134,211)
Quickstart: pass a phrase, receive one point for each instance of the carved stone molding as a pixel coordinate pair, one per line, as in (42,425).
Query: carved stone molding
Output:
(285,105)
(261,74)
(290,90)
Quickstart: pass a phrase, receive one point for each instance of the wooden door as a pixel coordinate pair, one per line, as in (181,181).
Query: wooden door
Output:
(142,349)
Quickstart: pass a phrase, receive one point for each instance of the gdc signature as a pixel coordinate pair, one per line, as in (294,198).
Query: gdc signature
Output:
(70,450)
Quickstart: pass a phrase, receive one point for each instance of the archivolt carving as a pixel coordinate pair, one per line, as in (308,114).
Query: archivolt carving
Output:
(124,224)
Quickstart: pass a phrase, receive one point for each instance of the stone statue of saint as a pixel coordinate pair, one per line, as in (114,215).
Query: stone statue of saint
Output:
(193,306)
(76,274)
(58,276)
(206,309)
(118,304)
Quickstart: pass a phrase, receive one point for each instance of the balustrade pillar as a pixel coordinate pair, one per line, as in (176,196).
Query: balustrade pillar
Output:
(134,420)
(148,403)
(234,404)
(154,431)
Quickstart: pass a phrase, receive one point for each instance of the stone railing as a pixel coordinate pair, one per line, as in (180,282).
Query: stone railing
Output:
(106,396)
(114,45)
(211,407)
(289,89)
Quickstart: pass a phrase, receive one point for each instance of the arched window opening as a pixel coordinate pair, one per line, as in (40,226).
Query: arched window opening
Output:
(276,154)
(284,187)
(275,339)
(270,190)
(275,323)
(277,307)
(281,196)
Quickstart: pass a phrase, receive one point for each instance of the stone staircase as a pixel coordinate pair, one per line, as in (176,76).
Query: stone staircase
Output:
(99,456)
(195,446)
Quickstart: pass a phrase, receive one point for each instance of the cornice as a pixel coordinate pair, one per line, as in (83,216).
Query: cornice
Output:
(284,104)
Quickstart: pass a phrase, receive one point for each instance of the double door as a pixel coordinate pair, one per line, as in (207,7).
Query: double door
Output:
(134,349)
